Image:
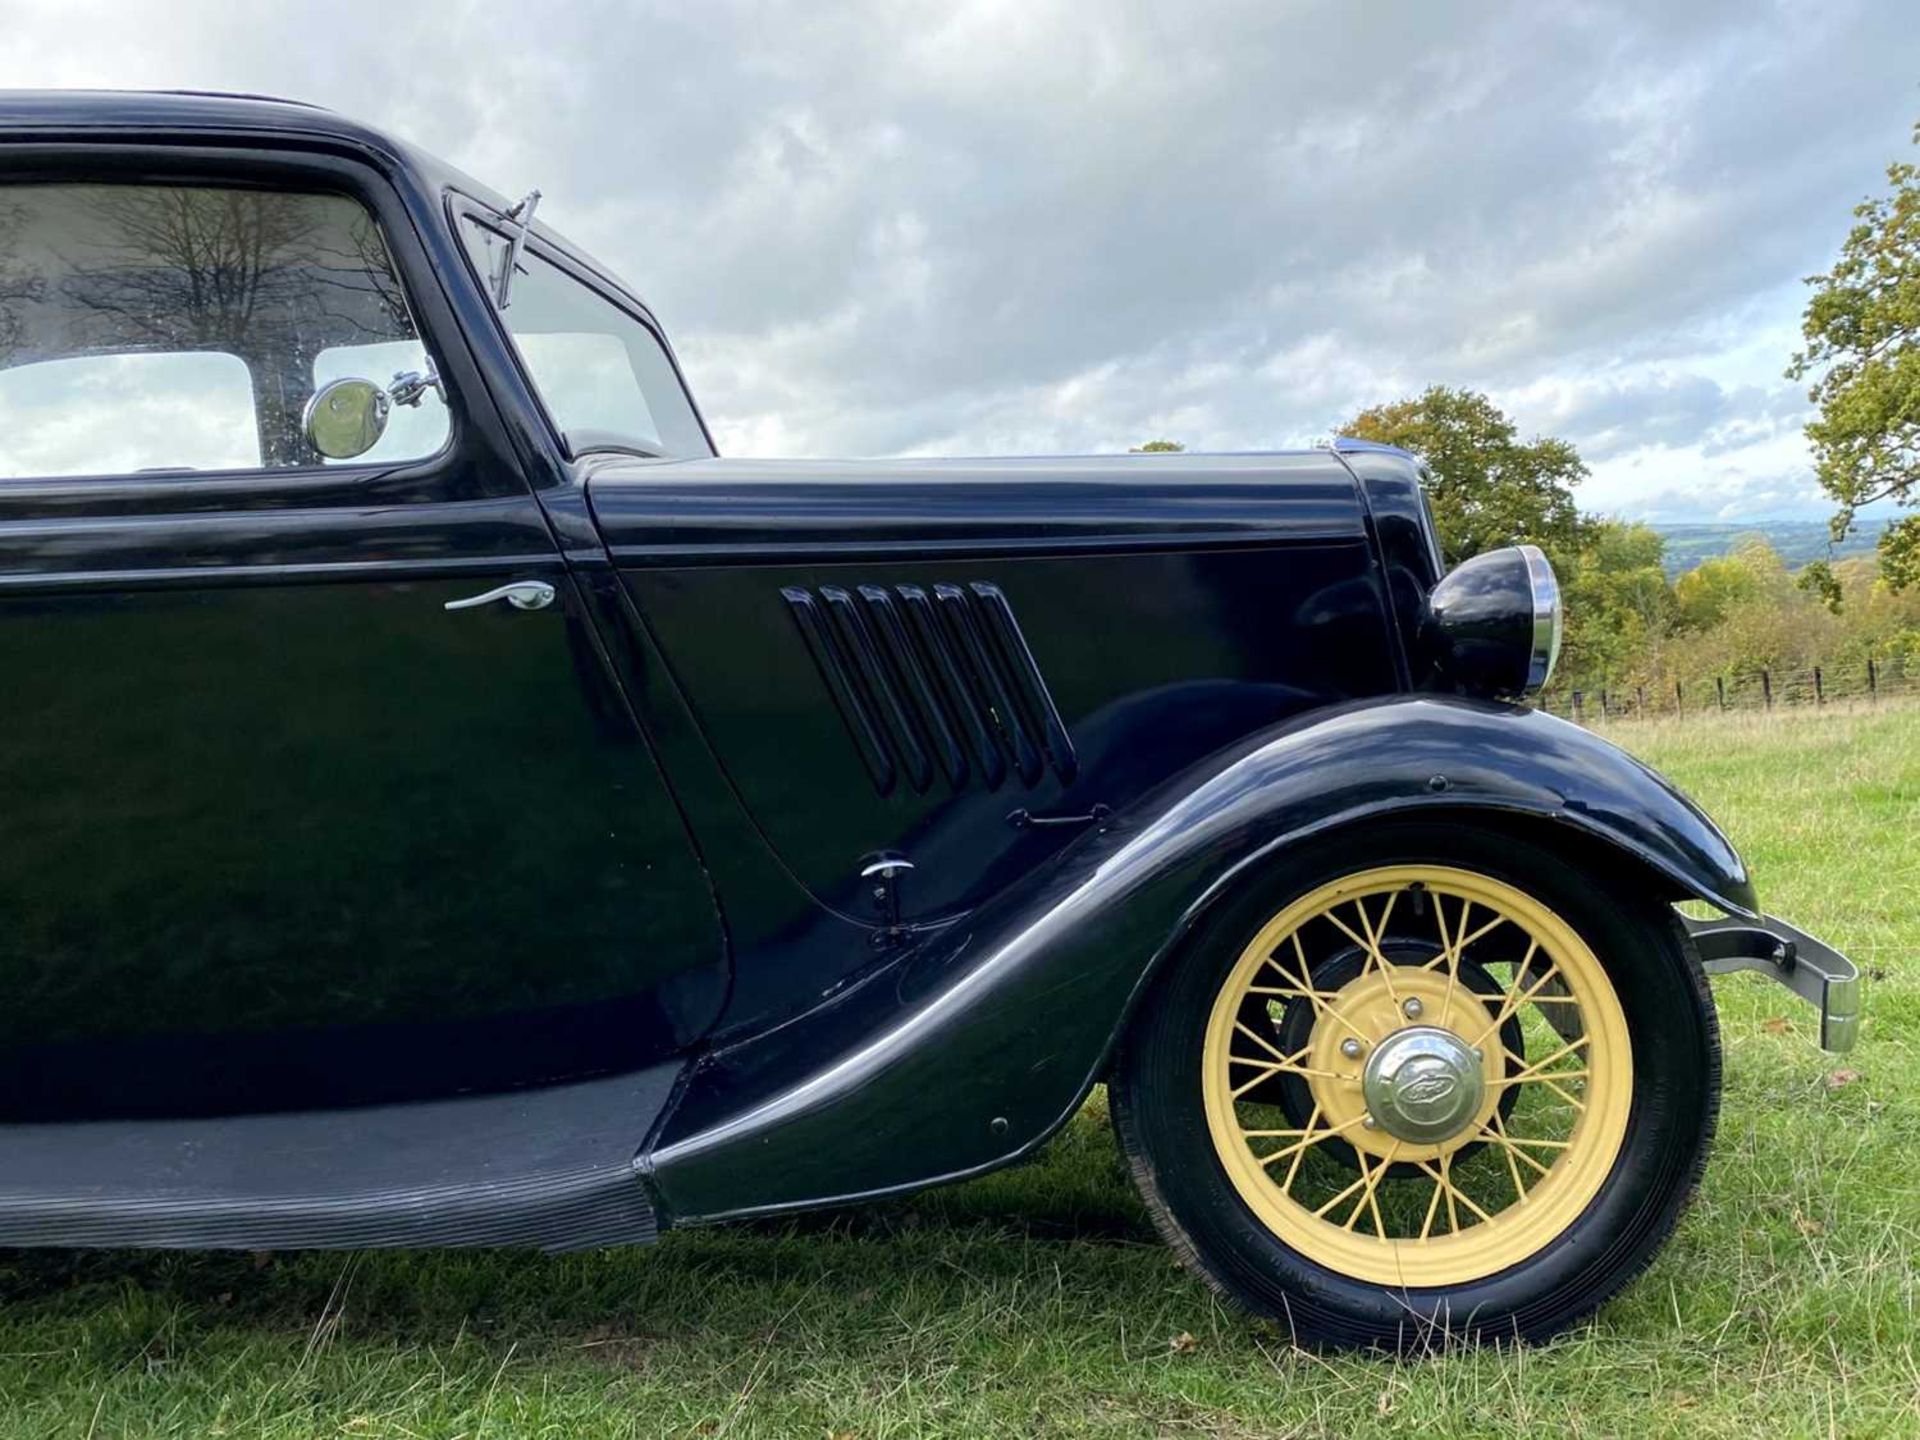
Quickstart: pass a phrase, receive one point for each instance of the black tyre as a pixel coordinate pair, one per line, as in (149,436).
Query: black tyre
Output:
(1486,1088)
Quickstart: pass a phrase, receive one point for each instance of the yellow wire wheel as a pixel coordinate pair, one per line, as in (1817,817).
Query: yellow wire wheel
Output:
(1417,1076)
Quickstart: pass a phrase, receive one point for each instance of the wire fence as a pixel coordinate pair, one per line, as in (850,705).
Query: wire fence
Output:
(1844,686)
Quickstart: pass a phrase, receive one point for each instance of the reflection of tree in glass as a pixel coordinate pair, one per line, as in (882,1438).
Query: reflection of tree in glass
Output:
(271,278)
(18,284)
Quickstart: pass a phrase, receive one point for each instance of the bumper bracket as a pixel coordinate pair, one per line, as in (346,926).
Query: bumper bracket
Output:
(1812,969)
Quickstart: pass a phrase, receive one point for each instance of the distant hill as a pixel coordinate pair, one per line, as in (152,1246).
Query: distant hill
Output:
(1798,541)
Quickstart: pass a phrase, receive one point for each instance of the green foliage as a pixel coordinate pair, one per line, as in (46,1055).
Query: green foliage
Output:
(1817,580)
(1157,447)
(1862,328)
(1706,593)
(1489,488)
(1617,599)
(1627,625)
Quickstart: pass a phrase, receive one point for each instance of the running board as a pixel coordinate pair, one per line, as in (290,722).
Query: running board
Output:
(551,1168)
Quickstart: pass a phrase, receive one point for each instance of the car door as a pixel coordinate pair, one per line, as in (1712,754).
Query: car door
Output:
(293,817)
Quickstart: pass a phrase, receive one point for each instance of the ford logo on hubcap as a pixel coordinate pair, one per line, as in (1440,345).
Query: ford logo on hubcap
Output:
(1425,1093)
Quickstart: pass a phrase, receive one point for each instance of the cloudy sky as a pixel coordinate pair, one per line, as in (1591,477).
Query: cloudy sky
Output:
(1033,226)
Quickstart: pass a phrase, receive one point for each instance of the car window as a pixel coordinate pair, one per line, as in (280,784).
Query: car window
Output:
(603,376)
(123,414)
(150,327)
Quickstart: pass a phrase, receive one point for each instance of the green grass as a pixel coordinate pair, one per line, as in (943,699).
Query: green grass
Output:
(1038,1301)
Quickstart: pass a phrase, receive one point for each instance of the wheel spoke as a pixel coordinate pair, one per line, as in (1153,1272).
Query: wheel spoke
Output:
(1537,1069)
(1512,1152)
(1265,1044)
(1454,947)
(1369,1197)
(1515,997)
(1507,1151)
(1321,1213)
(1367,942)
(1513,1139)
(1303,987)
(1449,952)
(1280,1065)
(1574,1100)
(1455,1195)
(1286,1185)
(1433,1209)
(1309,1140)
(1544,1079)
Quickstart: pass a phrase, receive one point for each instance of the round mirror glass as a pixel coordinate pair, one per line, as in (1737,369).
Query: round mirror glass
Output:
(346,418)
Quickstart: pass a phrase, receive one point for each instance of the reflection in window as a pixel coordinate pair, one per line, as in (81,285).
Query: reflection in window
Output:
(120,414)
(134,317)
(603,376)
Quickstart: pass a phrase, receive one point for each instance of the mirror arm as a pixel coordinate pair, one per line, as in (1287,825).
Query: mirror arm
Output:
(521,215)
(409,387)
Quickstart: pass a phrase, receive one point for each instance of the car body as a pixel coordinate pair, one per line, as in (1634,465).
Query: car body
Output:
(544,829)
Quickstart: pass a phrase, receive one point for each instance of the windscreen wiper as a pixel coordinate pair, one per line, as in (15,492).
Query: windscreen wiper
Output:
(520,216)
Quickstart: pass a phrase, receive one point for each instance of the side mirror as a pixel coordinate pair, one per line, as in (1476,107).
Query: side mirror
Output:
(346,418)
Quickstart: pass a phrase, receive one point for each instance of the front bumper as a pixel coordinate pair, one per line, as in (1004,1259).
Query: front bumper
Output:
(1813,970)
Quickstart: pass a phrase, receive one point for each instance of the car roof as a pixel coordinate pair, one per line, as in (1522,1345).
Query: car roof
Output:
(179,111)
(187,116)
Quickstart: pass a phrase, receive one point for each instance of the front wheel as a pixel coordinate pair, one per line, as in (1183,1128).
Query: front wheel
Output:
(1425,1082)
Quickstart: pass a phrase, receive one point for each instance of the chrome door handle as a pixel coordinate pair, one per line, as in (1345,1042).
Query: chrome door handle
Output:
(521,594)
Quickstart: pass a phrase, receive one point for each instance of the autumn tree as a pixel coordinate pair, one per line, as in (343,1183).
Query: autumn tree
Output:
(1862,328)
(1489,487)
(1619,606)
(1157,447)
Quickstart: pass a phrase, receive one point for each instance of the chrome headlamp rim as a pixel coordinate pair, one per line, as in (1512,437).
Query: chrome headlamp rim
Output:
(1549,619)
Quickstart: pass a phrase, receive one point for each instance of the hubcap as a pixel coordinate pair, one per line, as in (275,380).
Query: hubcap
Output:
(1424,1084)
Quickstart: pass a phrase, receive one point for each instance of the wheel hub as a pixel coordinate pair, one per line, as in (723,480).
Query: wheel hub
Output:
(1424,1084)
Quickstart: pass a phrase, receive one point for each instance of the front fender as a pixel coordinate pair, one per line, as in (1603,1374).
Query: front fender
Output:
(980,1041)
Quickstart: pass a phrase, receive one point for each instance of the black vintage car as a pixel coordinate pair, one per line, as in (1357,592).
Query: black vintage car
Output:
(447,804)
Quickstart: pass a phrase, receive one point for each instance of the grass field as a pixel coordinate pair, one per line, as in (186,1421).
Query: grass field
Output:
(1038,1302)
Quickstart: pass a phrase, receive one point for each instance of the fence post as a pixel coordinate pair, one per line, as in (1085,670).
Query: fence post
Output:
(1641,692)
(1679,700)
(1577,697)
(1819,693)
(1873,680)
(1720,684)
(1603,702)
(1766,688)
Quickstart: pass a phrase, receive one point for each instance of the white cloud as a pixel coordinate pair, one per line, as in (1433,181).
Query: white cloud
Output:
(879,227)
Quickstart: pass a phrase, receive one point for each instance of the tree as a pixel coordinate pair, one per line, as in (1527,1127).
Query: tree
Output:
(1750,572)
(1817,579)
(1862,329)
(1488,488)
(1619,606)
(269,277)
(1157,447)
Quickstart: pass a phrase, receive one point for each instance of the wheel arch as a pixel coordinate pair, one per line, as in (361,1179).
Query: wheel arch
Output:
(1588,846)
(979,1042)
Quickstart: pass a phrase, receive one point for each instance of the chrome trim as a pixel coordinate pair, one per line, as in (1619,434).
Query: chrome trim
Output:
(520,215)
(1811,968)
(520,594)
(1549,618)
(1423,1084)
(410,385)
